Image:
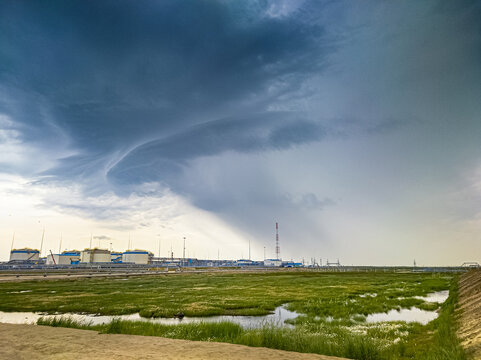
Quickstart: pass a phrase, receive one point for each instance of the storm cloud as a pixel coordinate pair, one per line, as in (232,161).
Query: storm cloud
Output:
(314,113)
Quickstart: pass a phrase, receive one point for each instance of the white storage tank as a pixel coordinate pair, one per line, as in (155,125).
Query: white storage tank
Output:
(136,257)
(273,262)
(25,254)
(65,258)
(95,256)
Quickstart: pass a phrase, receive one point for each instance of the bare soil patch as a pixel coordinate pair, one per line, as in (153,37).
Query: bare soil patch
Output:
(43,342)
(470,309)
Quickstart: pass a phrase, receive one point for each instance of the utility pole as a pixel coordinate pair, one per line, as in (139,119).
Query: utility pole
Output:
(41,243)
(13,239)
(183,255)
(264,253)
(278,249)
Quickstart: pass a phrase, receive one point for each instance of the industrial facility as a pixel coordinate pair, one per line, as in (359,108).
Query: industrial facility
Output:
(24,255)
(98,257)
(137,257)
(65,258)
(95,255)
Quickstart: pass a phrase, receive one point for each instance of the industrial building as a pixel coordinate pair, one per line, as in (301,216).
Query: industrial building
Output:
(24,255)
(65,258)
(95,255)
(137,257)
(273,262)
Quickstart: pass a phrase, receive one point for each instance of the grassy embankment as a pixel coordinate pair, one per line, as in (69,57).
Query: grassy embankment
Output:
(345,297)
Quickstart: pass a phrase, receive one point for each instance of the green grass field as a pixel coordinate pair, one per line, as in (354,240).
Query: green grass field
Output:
(332,320)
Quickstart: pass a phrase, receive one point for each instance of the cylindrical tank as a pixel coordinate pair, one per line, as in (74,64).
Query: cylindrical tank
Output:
(69,257)
(136,257)
(24,254)
(95,256)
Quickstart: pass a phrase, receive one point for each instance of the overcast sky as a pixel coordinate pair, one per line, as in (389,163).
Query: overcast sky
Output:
(354,124)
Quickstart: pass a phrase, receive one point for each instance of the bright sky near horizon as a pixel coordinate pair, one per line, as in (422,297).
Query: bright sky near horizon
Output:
(354,124)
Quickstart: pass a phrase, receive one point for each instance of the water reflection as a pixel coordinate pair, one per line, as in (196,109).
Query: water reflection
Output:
(408,315)
(278,318)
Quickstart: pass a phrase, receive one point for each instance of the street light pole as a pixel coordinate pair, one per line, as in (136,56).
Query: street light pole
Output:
(183,255)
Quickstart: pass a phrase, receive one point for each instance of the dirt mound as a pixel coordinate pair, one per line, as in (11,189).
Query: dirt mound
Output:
(43,342)
(470,308)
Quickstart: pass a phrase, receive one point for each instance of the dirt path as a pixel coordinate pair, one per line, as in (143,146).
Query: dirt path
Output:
(43,342)
(470,306)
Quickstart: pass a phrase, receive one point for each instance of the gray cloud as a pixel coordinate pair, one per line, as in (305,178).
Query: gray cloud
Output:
(249,109)
(166,159)
(102,237)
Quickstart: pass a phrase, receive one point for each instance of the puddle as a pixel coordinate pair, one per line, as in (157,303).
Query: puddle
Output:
(438,296)
(19,292)
(368,294)
(408,315)
(278,318)
(413,314)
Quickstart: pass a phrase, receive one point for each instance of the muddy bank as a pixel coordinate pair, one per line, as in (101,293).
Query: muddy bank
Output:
(43,342)
(470,309)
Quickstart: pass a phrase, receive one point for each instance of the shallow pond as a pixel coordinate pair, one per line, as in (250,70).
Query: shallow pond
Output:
(438,296)
(413,314)
(408,315)
(278,318)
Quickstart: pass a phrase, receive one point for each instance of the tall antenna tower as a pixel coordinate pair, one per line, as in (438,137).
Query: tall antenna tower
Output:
(278,249)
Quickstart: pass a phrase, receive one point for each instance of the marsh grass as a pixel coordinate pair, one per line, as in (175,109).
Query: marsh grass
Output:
(437,340)
(311,293)
(64,321)
(299,340)
(333,308)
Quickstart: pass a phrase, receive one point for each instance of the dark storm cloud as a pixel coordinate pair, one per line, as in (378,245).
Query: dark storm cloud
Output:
(121,93)
(165,159)
(115,74)
(136,90)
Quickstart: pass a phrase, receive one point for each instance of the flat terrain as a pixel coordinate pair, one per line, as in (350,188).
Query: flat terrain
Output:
(207,294)
(470,308)
(333,308)
(43,342)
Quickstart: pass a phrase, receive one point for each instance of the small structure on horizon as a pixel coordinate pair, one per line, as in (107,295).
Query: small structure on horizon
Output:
(273,262)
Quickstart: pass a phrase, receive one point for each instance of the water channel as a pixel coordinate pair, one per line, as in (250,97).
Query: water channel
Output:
(277,318)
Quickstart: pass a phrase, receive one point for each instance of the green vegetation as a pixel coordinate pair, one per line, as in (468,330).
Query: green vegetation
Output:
(437,340)
(348,345)
(333,308)
(339,295)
